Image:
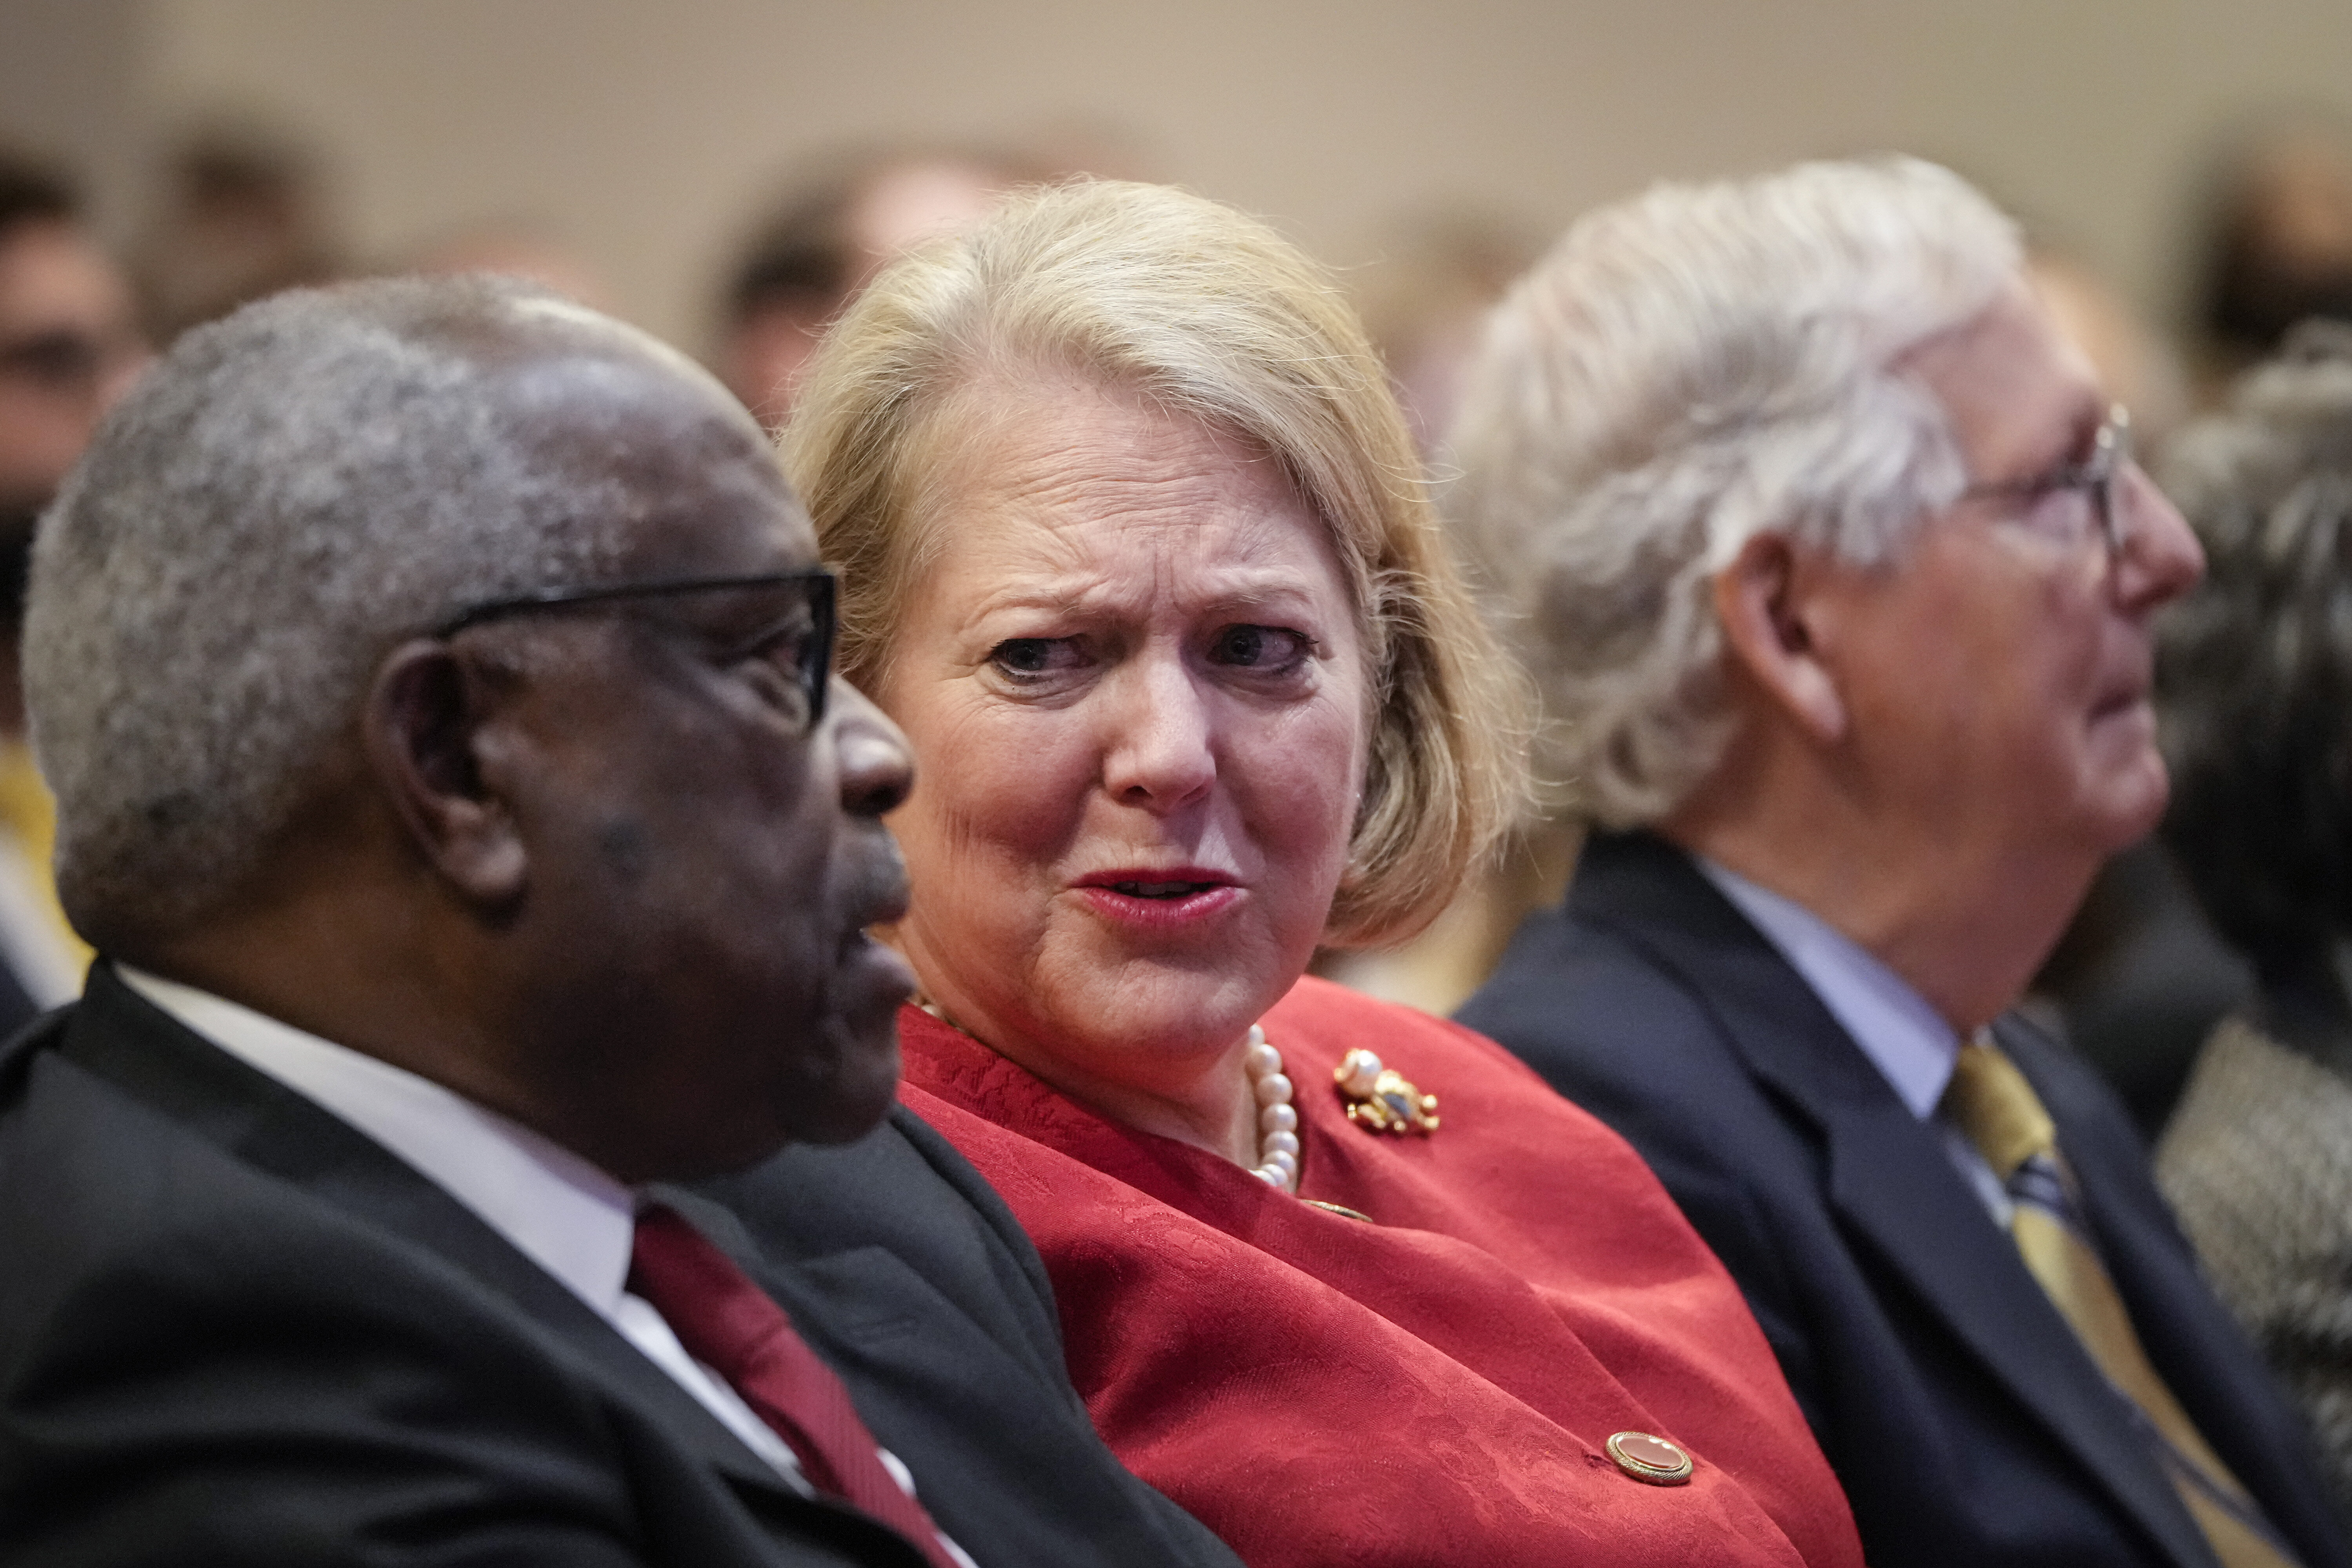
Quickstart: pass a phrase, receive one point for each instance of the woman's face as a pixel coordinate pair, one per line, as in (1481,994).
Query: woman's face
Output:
(1136,691)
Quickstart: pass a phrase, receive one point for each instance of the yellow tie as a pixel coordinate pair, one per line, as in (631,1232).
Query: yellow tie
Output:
(1990,1101)
(29,816)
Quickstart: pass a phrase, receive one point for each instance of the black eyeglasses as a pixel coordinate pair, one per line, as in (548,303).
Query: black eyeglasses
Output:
(2096,477)
(795,633)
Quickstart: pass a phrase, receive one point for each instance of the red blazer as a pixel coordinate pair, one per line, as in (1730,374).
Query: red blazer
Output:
(1433,1387)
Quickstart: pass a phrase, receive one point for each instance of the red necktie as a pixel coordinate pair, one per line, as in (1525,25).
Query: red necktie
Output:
(731,1326)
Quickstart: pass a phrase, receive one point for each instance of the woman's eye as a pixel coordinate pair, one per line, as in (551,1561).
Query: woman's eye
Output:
(1030,658)
(1261,647)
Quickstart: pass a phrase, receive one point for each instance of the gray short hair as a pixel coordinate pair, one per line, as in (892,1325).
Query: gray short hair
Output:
(280,501)
(2254,667)
(1684,371)
(1214,316)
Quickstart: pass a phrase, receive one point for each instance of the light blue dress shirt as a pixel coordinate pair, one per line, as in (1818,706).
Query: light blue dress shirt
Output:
(1906,1039)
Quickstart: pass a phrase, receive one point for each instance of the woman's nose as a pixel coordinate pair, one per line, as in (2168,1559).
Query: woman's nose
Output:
(1159,747)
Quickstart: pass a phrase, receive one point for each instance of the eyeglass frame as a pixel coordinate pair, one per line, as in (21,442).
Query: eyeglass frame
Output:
(2099,474)
(823,588)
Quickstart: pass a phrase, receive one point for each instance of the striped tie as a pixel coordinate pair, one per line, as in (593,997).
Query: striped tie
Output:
(1990,1101)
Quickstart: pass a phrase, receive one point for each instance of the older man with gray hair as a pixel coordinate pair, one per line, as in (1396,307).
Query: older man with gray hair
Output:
(435,678)
(1837,574)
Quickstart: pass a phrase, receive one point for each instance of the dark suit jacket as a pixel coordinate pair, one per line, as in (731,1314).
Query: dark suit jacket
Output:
(1966,1422)
(17,1007)
(235,1330)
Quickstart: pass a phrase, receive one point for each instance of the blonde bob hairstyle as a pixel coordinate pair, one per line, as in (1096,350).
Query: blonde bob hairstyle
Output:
(1212,315)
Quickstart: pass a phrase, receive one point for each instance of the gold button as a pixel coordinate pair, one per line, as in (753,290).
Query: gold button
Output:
(1650,1458)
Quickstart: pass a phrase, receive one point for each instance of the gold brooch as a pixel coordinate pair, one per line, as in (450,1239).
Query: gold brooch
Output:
(1380,1100)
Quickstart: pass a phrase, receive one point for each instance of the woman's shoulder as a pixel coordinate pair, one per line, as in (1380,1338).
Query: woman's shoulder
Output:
(993,1110)
(1322,1022)
(1498,1122)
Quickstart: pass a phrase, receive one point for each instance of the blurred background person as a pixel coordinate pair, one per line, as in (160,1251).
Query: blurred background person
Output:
(514,249)
(1426,302)
(244,213)
(2137,365)
(1136,552)
(69,346)
(648,133)
(2277,245)
(1425,305)
(2255,678)
(826,237)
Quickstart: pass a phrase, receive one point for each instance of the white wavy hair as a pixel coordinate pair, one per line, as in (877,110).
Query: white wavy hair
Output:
(1683,371)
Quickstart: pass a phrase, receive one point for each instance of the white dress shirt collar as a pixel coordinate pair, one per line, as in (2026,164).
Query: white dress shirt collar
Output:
(1906,1041)
(570,1218)
(559,1211)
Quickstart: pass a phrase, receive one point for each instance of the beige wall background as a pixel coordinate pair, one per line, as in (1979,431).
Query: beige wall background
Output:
(646,134)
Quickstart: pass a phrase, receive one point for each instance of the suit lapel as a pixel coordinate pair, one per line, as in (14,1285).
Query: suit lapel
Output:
(1889,1179)
(119,1035)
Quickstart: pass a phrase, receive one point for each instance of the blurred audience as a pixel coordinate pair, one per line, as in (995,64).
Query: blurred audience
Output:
(825,238)
(244,213)
(2256,679)
(69,346)
(2137,366)
(1837,577)
(2277,245)
(1425,302)
(1424,306)
(2139,981)
(512,249)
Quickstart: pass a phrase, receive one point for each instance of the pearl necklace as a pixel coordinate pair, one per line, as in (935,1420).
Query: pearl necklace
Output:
(1277,1121)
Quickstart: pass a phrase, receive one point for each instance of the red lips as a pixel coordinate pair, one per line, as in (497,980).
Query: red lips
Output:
(1159,897)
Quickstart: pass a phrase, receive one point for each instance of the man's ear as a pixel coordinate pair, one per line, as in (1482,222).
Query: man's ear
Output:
(424,723)
(1761,602)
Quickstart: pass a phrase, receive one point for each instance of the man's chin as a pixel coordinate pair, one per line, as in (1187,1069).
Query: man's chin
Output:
(865,1083)
(2132,802)
(836,1099)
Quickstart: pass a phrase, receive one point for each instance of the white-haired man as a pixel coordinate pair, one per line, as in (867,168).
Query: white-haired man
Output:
(1836,572)
(435,677)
